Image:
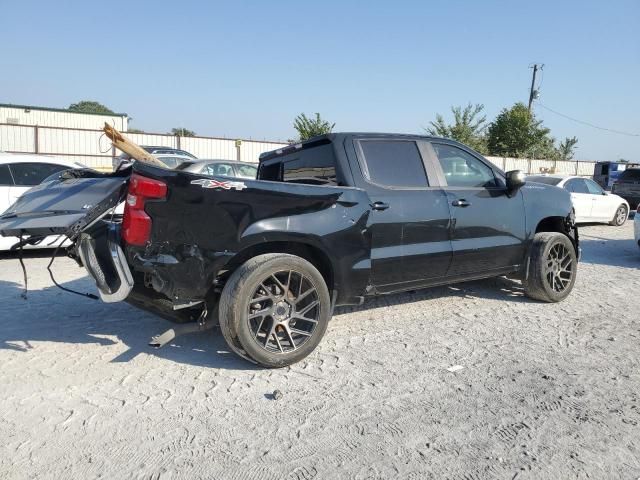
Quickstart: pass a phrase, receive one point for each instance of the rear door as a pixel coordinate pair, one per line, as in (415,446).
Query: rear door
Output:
(581,198)
(488,226)
(410,216)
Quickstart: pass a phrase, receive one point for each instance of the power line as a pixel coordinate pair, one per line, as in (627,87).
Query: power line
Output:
(589,124)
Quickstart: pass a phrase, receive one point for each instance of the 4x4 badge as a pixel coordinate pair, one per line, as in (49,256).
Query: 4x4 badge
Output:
(210,183)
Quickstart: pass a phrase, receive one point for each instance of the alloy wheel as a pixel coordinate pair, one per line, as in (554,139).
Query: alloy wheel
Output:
(283,311)
(621,215)
(559,268)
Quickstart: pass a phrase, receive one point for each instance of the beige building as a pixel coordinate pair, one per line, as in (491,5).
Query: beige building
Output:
(59,117)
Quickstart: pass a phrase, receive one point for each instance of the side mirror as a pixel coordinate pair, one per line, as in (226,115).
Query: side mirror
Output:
(515,180)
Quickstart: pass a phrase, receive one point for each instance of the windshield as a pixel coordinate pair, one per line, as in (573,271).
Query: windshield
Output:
(542,179)
(630,174)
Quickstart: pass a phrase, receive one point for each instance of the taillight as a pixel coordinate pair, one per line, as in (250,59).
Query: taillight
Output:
(136,224)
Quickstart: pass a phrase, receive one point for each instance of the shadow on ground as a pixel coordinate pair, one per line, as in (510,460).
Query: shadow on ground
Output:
(51,315)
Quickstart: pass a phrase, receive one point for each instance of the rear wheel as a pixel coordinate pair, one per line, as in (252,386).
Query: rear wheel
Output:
(275,309)
(552,267)
(620,217)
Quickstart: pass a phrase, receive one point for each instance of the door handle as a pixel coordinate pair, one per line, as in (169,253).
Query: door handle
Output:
(379,206)
(460,203)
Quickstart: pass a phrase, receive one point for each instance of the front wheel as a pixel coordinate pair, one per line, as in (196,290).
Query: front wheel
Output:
(620,217)
(275,309)
(553,265)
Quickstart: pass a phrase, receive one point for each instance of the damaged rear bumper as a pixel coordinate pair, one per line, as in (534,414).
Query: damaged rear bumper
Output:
(106,263)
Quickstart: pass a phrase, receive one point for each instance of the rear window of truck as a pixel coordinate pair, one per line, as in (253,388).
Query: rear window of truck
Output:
(310,166)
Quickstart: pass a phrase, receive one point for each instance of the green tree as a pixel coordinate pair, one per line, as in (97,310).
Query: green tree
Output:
(311,127)
(134,130)
(89,106)
(468,127)
(182,132)
(516,133)
(567,148)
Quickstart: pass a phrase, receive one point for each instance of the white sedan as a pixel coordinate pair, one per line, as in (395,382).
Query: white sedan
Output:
(590,202)
(18,173)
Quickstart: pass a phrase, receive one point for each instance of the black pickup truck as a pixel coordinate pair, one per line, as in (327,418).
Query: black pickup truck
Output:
(328,222)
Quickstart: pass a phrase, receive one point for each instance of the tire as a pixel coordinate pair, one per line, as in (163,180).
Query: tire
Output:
(553,267)
(274,309)
(620,216)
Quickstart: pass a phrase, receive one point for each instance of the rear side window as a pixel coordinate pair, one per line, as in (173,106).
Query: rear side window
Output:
(593,187)
(576,185)
(30,174)
(462,169)
(5,176)
(393,163)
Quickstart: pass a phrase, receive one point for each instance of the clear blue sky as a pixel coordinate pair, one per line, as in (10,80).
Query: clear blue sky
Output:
(245,69)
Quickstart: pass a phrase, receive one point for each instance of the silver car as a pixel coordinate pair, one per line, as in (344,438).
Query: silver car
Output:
(221,168)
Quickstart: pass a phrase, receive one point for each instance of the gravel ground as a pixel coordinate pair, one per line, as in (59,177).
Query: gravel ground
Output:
(545,390)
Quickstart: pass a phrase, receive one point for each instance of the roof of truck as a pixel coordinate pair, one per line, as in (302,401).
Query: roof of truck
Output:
(337,136)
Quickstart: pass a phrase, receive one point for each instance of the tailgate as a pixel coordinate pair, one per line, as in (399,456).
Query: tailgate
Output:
(65,205)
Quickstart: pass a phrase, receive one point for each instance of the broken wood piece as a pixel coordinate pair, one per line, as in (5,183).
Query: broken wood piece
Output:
(132,149)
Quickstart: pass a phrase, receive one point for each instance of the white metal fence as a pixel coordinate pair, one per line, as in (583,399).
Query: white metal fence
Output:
(93,149)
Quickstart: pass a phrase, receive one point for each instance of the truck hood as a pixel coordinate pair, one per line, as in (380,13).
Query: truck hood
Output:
(64,205)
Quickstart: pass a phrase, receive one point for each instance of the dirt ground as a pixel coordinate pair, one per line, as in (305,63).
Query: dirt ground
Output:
(545,390)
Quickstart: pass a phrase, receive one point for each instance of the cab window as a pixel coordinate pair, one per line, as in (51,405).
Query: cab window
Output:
(393,163)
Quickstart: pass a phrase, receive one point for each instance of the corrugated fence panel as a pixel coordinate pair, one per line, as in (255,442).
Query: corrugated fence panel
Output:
(59,141)
(93,149)
(209,148)
(15,138)
(153,139)
(250,151)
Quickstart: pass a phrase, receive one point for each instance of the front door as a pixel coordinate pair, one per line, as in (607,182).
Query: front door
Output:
(581,199)
(603,206)
(409,220)
(488,226)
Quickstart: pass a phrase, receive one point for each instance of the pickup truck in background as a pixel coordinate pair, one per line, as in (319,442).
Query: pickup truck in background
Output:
(328,222)
(627,186)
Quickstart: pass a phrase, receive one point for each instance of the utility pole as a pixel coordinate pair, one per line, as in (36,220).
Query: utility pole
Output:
(533,93)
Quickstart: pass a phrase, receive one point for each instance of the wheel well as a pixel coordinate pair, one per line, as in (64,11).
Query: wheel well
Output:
(312,254)
(551,224)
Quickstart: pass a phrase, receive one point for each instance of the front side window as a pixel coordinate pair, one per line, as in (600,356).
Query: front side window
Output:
(5,176)
(28,174)
(462,169)
(220,170)
(394,163)
(576,185)
(593,187)
(246,171)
